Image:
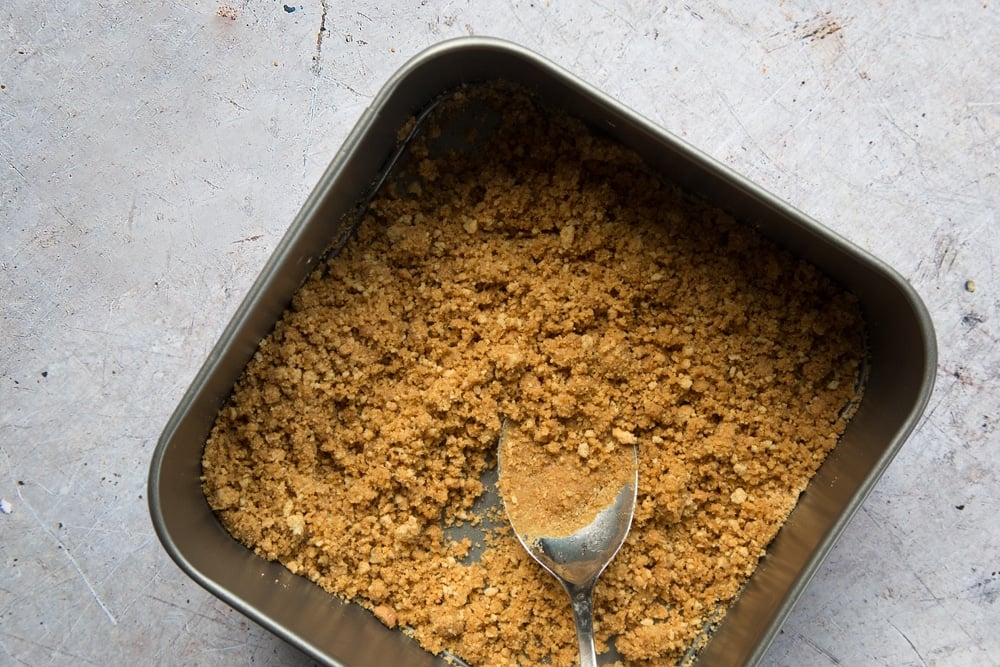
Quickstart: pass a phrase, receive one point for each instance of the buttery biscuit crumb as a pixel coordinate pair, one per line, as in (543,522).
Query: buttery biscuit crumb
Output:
(385,614)
(548,492)
(548,277)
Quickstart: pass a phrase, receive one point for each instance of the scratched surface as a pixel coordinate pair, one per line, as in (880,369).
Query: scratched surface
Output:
(154,153)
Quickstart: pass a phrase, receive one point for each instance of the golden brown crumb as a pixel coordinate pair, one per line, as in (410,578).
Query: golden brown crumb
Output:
(550,492)
(385,614)
(548,278)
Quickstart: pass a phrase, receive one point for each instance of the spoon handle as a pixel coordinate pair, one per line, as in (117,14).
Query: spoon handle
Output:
(582,598)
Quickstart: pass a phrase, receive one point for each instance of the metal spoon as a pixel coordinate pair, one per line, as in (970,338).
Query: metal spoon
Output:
(577,560)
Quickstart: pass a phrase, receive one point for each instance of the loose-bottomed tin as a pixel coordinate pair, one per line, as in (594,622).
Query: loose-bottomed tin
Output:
(901,365)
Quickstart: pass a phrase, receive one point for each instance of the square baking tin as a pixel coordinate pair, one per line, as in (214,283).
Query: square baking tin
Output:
(901,366)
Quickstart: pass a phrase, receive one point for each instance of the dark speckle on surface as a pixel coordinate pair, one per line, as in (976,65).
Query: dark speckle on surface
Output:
(289,9)
(972,319)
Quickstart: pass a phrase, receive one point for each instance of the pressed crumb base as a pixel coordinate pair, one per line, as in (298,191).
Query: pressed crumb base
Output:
(546,277)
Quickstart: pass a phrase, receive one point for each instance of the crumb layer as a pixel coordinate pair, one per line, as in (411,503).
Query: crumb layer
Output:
(546,277)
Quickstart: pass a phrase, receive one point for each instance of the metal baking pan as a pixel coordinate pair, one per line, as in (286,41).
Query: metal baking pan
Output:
(900,375)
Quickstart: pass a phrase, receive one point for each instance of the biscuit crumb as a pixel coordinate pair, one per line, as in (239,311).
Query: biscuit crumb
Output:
(385,614)
(552,494)
(624,437)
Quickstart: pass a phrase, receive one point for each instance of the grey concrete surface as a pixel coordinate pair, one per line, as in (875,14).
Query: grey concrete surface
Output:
(153,153)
